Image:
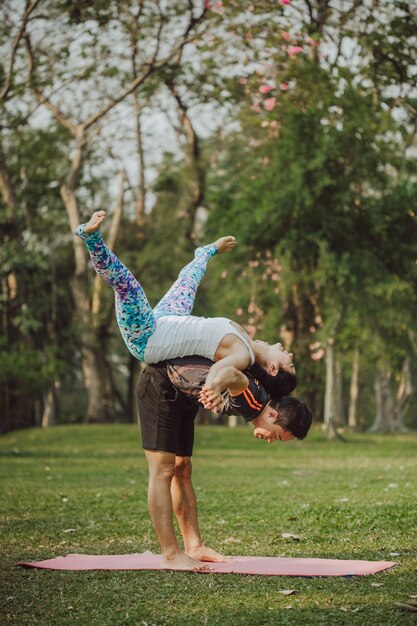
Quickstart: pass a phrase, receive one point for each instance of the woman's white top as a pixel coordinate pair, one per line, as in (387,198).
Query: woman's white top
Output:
(177,336)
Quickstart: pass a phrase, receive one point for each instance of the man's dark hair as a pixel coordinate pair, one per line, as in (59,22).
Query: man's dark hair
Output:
(293,415)
(276,386)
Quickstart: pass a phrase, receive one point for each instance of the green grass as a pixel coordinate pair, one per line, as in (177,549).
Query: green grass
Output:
(83,489)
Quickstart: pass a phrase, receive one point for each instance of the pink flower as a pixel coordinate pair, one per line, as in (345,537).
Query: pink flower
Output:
(265,88)
(286,35)
(294,50)
(284,2)
(284,86)
(207,4)
(224,274)
(251,330)
(239,311)
(269,103)
(316,356)
(243,81)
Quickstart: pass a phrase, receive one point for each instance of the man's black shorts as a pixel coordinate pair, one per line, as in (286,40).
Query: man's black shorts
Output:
(166,415)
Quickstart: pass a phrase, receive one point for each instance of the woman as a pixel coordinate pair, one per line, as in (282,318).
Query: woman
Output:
(169,331)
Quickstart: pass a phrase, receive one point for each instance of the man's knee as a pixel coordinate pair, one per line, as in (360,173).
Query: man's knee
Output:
(183,467)
(161,464)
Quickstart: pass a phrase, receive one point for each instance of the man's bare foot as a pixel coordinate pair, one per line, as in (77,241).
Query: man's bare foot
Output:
(225,244)
(183,562)
(209,555)
(95,222)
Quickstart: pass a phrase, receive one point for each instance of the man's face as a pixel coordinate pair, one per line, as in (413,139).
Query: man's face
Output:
(267,429)
(276,433)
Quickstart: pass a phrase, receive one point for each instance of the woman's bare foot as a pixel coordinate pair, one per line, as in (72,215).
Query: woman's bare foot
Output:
(209,555)
(95,222)
(183,562)
(225,244)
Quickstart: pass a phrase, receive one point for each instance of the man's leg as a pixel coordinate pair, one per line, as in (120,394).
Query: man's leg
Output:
(185,507)
(179,300)
(161,472)
(133,311)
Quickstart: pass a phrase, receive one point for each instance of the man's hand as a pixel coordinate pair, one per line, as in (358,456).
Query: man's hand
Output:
(211,397)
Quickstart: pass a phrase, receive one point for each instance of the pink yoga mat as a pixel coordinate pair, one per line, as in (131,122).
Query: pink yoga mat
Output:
(266,566)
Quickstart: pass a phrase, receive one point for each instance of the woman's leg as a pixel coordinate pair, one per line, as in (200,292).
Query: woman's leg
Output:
(180,298)
(133,312)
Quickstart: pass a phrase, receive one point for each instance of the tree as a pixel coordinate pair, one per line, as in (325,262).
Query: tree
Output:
(51,68)
(325,181)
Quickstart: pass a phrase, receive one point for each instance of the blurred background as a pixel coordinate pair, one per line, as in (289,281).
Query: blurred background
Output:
(288,123)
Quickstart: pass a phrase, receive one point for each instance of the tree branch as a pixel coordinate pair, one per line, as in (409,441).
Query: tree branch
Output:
(41,98)
(192,156)
(20,35)
(152,67)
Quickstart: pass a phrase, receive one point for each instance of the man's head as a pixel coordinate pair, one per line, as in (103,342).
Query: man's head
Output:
(283,419)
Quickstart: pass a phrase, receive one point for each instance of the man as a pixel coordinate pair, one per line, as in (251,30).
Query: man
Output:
(168,399)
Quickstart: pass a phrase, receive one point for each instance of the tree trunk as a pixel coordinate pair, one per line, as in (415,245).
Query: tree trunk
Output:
(330,394)
(353,395)
(404,394)
(50,414)
(384,401)
(100,406)
(192,156)
(340,412)
(48,417)
(390,410)
(134,368)
(140,203)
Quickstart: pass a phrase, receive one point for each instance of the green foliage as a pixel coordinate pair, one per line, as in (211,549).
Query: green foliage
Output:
(30,371)
(38,344)
(323,184)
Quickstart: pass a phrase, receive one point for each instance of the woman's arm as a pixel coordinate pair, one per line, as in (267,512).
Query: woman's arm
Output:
(238,358)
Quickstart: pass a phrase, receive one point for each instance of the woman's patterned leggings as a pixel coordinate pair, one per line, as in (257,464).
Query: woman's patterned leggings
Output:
(135,317)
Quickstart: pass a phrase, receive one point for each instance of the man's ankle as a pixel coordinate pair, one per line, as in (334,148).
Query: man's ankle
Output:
(193,546)
(171,553)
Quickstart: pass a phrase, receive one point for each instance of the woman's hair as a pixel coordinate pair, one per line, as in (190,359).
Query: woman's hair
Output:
(294,415)
(280,385)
